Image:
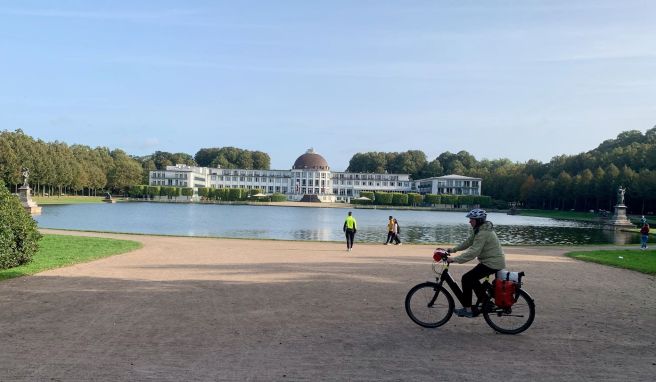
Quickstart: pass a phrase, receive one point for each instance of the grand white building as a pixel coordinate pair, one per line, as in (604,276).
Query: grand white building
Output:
(311,179)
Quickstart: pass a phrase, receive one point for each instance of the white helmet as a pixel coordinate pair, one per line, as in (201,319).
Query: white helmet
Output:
(477,213)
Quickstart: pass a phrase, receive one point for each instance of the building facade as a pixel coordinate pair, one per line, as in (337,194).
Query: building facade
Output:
(311,179)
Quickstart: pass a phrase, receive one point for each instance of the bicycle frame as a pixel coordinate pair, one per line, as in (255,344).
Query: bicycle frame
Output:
(453,285)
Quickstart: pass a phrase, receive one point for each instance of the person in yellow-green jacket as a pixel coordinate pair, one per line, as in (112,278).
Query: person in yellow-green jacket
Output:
(350,228)
(483,244)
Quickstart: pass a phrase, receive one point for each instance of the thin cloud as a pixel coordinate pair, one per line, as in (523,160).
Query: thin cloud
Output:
(170,14)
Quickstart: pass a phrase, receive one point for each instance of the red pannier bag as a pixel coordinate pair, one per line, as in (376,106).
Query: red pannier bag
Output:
(504,290)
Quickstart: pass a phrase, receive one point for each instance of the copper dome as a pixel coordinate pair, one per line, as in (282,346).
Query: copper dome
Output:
(311,161)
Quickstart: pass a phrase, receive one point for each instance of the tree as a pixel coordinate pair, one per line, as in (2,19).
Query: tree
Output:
(125,172)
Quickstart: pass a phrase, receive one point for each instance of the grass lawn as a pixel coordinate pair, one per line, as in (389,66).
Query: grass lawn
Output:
(56,251)
(577,215)
(45,200)
(637,260)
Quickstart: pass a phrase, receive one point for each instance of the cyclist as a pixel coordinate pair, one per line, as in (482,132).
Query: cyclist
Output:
(483,244)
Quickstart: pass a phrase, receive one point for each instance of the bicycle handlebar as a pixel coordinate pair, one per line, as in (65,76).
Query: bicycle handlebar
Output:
(440,254)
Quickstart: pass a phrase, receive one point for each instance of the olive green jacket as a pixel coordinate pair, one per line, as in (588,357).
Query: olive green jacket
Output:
(484,245)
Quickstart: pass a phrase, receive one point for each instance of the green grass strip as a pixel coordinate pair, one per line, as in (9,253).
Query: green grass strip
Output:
(46,200)
(637,260)
(56,251)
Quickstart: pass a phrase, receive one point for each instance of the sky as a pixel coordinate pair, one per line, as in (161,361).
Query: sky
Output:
(500,79)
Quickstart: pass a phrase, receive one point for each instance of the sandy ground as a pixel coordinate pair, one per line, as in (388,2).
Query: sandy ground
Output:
(197,309)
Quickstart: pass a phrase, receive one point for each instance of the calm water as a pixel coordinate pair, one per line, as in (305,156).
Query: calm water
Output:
(320,224)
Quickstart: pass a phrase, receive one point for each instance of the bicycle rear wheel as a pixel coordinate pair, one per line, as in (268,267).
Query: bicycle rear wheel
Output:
(429,305)
(511,320)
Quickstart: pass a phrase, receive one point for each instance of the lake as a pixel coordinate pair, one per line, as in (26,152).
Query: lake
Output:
(314,224)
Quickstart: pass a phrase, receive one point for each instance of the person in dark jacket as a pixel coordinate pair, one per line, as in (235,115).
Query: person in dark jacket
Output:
(350,228)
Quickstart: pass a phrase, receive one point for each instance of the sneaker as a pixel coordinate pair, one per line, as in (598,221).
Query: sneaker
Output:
(462,312)
(400,243)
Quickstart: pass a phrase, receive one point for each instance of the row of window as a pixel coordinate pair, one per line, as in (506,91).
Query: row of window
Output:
(366,176)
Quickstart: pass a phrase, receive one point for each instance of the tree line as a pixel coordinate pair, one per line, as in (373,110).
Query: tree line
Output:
(583,181)
(57,168)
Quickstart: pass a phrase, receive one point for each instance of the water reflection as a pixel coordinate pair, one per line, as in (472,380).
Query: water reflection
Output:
(316,224)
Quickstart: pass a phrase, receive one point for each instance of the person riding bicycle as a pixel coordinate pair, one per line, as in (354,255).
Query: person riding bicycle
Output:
(483,244)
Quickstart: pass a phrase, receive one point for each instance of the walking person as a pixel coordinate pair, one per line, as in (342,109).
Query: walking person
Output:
(350,228)
(397,231)
(644,235)
(390,230)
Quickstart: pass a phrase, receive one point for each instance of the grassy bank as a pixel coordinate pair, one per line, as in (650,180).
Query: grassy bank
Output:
(45,200)
(637,260)
(56,251)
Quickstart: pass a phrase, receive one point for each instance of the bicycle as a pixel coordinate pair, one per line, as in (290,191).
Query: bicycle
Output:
(430,304)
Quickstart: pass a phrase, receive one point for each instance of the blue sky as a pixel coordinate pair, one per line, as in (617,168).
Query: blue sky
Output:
(501,79)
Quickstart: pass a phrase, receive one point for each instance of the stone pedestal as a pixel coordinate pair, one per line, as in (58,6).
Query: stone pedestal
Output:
(26,200)
(619,219)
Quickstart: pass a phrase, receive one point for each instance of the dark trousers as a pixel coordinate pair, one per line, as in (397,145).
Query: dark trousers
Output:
(390,237)
(350,235)
(396,238)
(470,282)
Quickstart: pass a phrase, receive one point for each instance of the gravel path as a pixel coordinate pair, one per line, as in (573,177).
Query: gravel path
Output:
(196,309)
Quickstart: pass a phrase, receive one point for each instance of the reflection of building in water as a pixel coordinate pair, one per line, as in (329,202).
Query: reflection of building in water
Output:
(310,179)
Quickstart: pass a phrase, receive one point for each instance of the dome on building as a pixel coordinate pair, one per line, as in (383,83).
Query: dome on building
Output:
(311,161)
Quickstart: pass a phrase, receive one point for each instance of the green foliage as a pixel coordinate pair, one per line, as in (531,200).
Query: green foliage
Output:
(234,194)
(277,197)
(432,199)
(57,251)
(232,157)
(399,199)
(641,261)
(19,237)
(369,195)
(483,201)
(449,199)
(466,200)
(383,198)
(137,191)
(152,191)
(415,199)
(187,191)
(204,192)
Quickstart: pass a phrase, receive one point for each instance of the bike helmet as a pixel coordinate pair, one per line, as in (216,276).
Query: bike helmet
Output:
(477,213)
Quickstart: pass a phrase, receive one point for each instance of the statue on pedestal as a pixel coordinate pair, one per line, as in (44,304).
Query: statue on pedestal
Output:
(620,195)
(26,175)
(24,195)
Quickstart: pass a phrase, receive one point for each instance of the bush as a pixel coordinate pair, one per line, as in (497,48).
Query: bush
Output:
(384,198)
(277,197)
(415,199)
(19,238)
(449,199)
(399,199)
(432,199)
(369,195)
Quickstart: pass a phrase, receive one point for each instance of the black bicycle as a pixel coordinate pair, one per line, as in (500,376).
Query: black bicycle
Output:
(431,305)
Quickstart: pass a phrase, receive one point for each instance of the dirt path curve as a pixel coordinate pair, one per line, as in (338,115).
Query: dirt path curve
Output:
(196,309)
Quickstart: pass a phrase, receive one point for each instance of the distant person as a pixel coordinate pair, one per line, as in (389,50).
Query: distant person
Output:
(397,231)
(390,230)
(350,228)
(644,236)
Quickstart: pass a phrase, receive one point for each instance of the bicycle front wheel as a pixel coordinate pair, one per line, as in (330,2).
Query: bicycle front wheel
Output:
(429,305)
(511,320)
